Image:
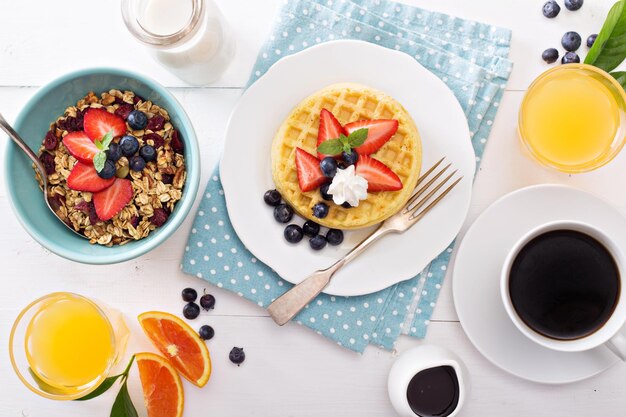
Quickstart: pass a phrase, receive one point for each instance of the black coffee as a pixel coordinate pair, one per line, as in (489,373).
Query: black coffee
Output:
(434,392)
(564,284)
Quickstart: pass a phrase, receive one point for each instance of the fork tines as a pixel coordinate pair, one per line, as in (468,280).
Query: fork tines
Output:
(415,203)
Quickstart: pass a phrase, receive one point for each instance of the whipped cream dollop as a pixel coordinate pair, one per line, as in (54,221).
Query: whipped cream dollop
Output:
(348,186)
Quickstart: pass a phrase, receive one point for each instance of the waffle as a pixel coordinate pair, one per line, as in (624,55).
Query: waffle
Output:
(349,103)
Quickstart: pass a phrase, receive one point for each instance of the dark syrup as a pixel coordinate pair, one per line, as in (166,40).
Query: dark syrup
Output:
(564,284)
(434,392)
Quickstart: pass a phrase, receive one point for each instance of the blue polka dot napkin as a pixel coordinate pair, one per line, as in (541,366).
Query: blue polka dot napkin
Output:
(470,57)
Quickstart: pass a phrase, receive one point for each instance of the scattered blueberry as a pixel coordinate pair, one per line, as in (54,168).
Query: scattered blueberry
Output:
(328,166)
(283,213)
(137,120)
(571,41)
(108,171)
(345,204)
(318,242)
(350,158)
(334,237)
(570,58)
(207,302)
(550,55)
(237,356)
(189,294)
(293,233)
(137,163)
(191,311)
(115,152)
(320,210)
(591,40)
(324,192)
(310,228)
(551,9)
(129,145)
(206,332)
(148,153)
(272,198)
(573,4)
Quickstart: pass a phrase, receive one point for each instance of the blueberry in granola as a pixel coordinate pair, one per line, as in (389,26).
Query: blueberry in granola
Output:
(129,145)
(115,152)
(137,163)
(137,120)
(108,171)
(148,153)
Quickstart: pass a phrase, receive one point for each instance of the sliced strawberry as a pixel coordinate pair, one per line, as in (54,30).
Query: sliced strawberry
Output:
(378,175)
(80,146)
(378,133)
(329,128)
(309,173)
(98,122)
(112,200)
(85,178)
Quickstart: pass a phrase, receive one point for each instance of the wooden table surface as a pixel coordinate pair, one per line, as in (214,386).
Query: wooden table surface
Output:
(289,371)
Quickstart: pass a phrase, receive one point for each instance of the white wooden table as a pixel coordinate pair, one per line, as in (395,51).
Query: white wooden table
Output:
(289,371)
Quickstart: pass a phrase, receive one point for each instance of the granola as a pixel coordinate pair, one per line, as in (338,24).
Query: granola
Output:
(156,189)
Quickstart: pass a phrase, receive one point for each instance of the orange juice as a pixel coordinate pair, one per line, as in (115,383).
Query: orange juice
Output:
(571,118)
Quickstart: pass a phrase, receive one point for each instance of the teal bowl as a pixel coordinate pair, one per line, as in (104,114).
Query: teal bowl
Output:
(32,124)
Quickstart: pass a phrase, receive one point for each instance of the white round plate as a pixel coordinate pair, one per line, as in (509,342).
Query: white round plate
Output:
(476,281)
(246,171)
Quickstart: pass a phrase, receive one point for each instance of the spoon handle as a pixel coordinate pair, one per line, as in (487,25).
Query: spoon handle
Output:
(23,146)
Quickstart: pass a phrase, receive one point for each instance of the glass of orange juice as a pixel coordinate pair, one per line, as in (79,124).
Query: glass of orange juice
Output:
(63,345)
(572,118)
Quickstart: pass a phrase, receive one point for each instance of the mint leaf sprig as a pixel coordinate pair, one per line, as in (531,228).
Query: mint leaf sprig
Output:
(343,143)
(103,145)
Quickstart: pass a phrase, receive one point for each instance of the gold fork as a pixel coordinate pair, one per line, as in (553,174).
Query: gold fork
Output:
(285,307)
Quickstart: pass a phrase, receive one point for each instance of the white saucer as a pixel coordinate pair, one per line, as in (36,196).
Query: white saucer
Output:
(246,172)
(476,281)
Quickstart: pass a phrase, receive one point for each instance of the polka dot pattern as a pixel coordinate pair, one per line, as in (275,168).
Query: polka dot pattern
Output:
(470,57)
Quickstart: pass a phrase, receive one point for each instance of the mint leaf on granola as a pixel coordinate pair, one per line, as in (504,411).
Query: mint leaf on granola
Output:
(99,160)
(103,144)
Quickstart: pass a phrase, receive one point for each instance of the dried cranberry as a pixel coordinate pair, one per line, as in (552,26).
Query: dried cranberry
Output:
(118,100)
(124,110)
(134,221)
(93,216)
(156,138)
(48,162)
(167,178)
(50,142)
(177,143)
(156,123)
(137,99)
(83,206)
(159,217)
(56,201)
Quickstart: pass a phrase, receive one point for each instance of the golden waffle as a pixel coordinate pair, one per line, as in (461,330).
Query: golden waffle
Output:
(349,103)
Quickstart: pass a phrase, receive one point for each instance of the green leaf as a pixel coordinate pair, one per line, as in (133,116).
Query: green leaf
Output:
(620,76)
(43,385)
(609,49)
(330,147)
(123,405)
(102,388)
(358,137)
(99,160)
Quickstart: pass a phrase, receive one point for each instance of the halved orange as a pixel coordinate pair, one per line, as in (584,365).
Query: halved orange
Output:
(162,388)
(180,344)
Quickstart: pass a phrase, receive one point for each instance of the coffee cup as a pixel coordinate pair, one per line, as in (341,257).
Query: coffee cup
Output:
(561,285)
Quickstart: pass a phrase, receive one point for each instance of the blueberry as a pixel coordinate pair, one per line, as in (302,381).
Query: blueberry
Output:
(346,205)
(108,171)
(207,302)
(573,4)
(324,192)
(570,58)
(189,294)
(293,233)
(342,164)
(206,332)
(237,356)
(350,158)
(550,55)
(551,9)
(148,153)
(310,228)
(137,163)
(571,41)
(334,237)
(114,153)
(320,210)
(137,120)
(328,166)
(318,242)
(272,198)
(591,40)
(191,311)
(129,145)
(283,213)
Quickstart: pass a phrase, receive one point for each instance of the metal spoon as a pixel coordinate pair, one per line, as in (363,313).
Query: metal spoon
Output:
(38,166)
